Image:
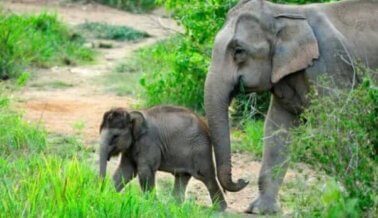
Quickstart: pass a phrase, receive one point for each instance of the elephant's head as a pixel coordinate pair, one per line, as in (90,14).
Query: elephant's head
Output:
(259,45)
(119,131)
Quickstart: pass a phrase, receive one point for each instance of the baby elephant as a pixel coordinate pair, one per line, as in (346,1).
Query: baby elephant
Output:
(165,138)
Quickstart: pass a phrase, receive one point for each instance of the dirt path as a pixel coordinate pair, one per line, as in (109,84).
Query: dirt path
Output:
(84,101)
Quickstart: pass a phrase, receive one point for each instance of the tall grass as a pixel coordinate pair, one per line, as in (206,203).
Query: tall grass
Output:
(40,40)
(46,186)
(16,135)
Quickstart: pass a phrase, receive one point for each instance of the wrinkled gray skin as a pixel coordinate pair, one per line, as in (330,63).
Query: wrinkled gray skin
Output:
(283,49)
(165,138)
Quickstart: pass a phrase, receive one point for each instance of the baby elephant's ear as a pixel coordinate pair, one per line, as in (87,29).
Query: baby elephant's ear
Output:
(139,125)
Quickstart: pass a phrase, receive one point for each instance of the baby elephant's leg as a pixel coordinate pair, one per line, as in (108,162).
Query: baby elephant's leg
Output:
(181,181)
(146,178)
(124,173)
(206,174)
(216,193)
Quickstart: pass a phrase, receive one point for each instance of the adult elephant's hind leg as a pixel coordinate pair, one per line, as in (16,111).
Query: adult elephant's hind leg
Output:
(275,159)
(124,173)
(181,181)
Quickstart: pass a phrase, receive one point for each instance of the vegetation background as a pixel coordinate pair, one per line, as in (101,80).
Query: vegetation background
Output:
(338,136)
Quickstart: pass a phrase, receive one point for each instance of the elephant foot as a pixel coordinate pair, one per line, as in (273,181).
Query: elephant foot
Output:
(263,205)
(222,206)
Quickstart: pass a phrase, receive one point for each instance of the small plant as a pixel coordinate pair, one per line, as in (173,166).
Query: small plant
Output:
(111,32)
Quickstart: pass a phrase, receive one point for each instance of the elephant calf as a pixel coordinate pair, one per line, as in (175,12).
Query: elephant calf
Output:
(165,138)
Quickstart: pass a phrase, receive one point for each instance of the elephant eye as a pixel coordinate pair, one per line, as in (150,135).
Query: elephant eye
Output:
(113,139)
(240,54)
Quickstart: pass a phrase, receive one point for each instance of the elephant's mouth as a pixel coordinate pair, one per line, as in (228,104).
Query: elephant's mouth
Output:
(111,153)
(242,87)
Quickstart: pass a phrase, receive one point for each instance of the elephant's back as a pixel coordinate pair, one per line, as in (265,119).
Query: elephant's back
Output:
(175,121)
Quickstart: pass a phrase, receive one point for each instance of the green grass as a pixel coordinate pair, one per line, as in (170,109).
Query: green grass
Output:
(38,40)
(16,134)
(45,186)
(249,138)
(111,32)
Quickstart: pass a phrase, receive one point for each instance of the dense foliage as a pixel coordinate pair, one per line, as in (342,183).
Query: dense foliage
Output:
(39,40)
(340,136)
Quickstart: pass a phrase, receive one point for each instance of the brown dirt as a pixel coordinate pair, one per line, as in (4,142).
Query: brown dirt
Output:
(85,102)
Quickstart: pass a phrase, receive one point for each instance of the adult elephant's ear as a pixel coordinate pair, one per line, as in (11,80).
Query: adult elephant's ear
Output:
(295,46)
(139,124)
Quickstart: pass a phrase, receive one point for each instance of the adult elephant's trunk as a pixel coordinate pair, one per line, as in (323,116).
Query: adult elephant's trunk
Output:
(218,94)
(104,152)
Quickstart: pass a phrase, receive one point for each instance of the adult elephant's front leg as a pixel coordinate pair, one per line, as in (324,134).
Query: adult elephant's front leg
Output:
(275,158)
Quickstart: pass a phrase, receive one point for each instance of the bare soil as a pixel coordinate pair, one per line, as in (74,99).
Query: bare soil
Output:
(85,101)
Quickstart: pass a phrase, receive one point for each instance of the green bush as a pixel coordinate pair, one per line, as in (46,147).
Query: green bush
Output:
(39,40)
(340,136)
(111,32)
(174,78)
(137,6)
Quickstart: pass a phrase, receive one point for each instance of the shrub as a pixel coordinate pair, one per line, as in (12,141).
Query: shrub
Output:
(36,40)
(340,136)
(173,77)
(137,6)
(111,32)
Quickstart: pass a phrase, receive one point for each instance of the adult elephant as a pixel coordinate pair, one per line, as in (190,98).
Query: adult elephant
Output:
(283,49)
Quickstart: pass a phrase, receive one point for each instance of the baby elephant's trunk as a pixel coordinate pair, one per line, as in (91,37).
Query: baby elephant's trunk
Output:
(104,153)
